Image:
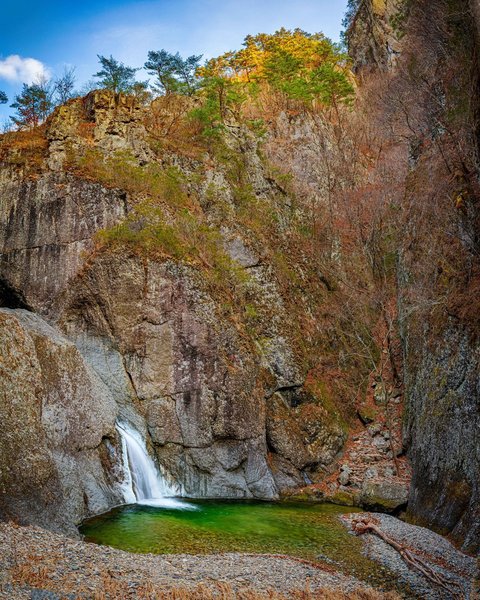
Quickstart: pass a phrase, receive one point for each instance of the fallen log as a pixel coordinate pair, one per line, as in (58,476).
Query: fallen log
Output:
(361,526)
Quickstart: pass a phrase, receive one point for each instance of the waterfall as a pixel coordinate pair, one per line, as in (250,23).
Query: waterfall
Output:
(142,483)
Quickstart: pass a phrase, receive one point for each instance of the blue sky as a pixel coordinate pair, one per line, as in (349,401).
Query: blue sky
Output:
(54,34)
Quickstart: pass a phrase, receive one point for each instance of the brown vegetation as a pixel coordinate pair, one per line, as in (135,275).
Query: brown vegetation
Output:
(37,575)
(437,217)
(25,149)
(171,128)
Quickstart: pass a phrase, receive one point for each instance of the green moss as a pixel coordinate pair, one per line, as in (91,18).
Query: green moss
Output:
(399,19)
(379,503)
(148,231)
(367,414)
(122,171)
(251,311)
(343,498)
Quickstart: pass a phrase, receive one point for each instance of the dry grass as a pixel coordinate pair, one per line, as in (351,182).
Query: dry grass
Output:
(51,572)
(108,586)
(25,149)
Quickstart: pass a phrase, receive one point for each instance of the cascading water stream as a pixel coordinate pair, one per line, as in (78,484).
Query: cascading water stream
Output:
(142,482)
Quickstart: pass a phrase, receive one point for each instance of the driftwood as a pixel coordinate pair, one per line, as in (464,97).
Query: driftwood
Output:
(361,526)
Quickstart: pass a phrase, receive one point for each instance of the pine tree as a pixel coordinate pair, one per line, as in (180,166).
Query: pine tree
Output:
(32,105)
(352,8)
(161,64)
(3,97)
(185,70)
(115,76)
(174,74)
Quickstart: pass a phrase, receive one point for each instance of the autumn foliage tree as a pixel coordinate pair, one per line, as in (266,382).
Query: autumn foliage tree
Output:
(300,65)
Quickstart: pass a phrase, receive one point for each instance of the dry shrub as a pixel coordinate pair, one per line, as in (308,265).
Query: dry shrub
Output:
(223,591)
(170,127)
(25,149)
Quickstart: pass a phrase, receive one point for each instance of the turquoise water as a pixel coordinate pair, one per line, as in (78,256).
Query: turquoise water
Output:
(300,529)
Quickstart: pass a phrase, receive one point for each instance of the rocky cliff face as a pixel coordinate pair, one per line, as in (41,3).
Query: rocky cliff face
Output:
(190,377)
(442,370)
(442,386)
(429,90)
(57,427)
(104,332)
(373,37)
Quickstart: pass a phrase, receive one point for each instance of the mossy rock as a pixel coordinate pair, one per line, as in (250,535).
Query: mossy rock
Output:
(343,498)
(309,494)
(384,497)
(366,414)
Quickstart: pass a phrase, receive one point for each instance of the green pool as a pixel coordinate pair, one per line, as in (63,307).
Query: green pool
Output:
(306,530)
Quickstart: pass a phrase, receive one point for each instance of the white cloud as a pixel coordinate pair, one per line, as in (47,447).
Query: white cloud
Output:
(14,68)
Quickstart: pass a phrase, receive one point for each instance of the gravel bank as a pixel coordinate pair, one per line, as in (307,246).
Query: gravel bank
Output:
(460,570)
(35,560)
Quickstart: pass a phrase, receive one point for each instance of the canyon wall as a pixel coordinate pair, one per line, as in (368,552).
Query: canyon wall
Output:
(261,301)
(430,101)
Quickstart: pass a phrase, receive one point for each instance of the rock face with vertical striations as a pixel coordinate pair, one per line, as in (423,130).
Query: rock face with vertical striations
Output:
(438,319)
(443,427)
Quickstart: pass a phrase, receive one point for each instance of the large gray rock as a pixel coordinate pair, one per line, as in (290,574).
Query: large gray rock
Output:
(56,427)
(384,496)
(46,227)
(306,436)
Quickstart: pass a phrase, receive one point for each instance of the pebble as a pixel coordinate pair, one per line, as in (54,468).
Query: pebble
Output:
(69,566)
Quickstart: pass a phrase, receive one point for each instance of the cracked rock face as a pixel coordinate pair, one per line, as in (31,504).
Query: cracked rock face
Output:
(45,228)
(192,381)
